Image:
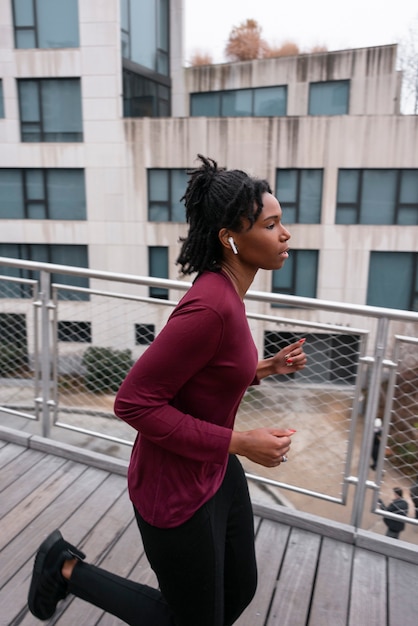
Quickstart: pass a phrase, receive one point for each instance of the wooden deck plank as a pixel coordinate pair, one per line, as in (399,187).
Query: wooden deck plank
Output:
(80,525)
(103,539)
(17,467)
(332,585)
(402,593)
(78,529)
(41,509)
(368,590)
(42,473)
(40,497)
(290,606)
(17,556)
(271,540)
(9,451)
(309,574)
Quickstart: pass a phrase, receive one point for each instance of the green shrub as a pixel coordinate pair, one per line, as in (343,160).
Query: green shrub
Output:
(106,368)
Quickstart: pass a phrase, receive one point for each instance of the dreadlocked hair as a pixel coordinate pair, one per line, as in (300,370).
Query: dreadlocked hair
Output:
(216,198)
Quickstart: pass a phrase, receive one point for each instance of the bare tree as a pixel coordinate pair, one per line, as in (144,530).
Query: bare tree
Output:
(318,48)
(408,63)
(286,49)
(201,58)
(245,42)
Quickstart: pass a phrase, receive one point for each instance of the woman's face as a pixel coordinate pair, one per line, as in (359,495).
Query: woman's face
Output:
(264,246)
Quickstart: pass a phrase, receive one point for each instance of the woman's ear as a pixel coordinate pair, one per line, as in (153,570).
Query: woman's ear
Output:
(227,240)
(223,237)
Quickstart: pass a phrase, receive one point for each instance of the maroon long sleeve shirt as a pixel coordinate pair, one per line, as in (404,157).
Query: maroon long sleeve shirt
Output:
(182,396)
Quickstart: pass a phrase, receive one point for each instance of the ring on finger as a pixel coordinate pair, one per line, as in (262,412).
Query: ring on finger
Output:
(284,459)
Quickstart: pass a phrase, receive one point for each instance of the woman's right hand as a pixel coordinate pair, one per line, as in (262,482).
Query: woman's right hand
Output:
(265,446)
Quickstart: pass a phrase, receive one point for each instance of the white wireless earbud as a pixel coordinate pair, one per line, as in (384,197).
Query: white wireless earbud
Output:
(233,246)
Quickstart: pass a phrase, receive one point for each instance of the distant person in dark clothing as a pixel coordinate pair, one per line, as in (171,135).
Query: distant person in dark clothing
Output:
(414,496)
(399,506)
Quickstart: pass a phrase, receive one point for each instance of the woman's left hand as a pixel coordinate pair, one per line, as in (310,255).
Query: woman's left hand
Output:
(290,359)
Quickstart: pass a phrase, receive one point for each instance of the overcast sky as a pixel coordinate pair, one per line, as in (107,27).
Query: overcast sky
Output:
(331,23)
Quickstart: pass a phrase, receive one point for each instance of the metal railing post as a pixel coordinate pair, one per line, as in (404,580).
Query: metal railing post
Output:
(45,356)
(373,391)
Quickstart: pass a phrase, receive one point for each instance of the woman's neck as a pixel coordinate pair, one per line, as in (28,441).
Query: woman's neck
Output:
(239,279)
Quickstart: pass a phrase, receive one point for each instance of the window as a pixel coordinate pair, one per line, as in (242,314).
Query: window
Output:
(13,328)
(42,194)
(74,332)
(257,102)
(143,97)
(1,99)
(329,98)
(393,280)
(158,268)
(145,52)
(144,334)
(76,256)
(50,109)
(144,32)
(377,196)
(165,188)
(298,276)
(300,195)
(46,23)
(14,345)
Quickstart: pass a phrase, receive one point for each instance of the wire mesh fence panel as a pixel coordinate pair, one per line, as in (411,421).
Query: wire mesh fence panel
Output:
(96,341)
(19,374)
(403,431)
(317,402)
(396,428)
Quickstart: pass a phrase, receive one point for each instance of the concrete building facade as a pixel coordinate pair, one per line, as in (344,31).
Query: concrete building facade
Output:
(100,121)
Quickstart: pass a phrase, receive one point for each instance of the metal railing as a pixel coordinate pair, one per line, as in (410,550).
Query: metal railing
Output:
(66,348)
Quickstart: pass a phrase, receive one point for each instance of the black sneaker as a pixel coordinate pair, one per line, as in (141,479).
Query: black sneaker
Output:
(48,586)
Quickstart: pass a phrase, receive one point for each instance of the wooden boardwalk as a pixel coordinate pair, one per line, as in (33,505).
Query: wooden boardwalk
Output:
(312,572)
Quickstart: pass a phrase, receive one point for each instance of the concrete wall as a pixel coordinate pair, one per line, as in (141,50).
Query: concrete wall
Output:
(260,145)
(374,85)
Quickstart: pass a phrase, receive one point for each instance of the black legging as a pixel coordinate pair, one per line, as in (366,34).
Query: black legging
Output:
(205,568)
